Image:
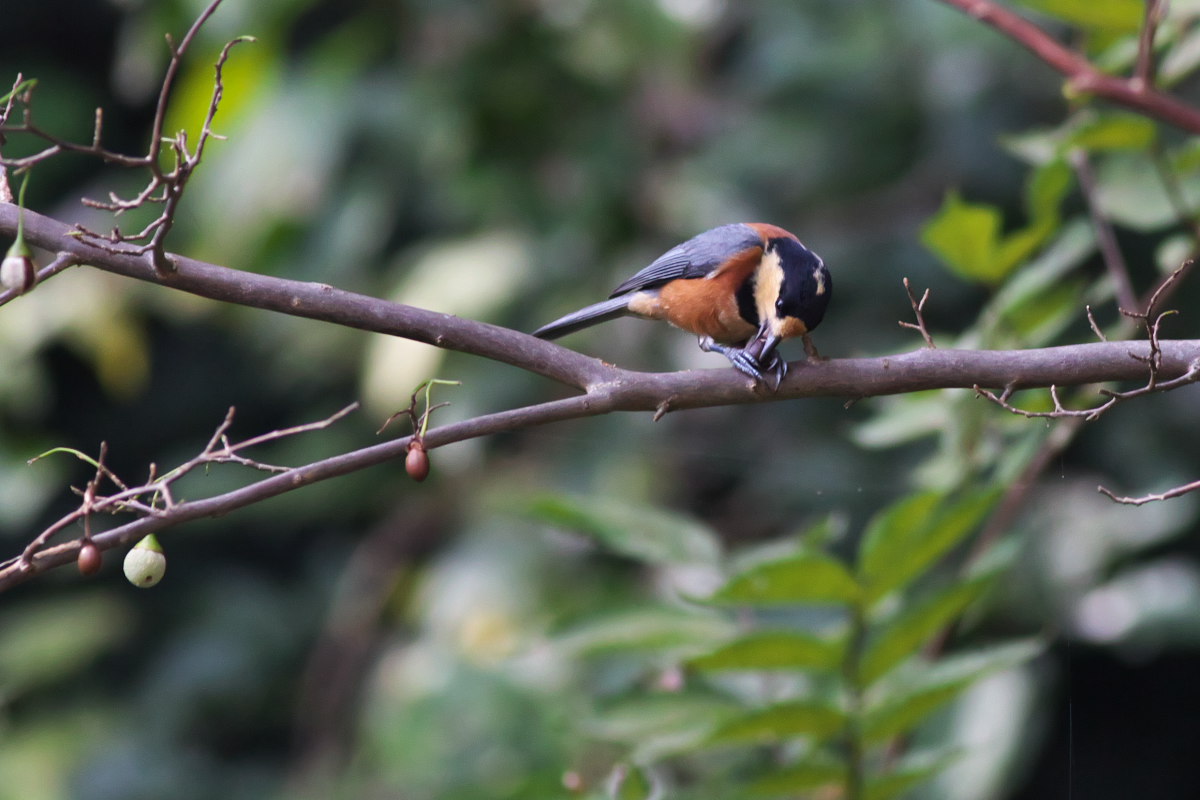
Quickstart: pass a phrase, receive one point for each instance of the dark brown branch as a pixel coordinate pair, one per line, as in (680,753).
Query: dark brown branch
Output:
(1082,77)
(323,302)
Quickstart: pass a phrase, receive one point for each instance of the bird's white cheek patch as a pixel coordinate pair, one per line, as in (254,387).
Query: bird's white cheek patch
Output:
(768,279)
(820,279)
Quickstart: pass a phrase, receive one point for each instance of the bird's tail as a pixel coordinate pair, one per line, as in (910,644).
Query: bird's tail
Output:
(584,317)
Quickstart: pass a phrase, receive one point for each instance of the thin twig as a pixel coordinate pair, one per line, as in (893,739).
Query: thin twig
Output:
(1095,328)
(1178,491)
(918,307)
(165,186)
(144,500)
(61,262)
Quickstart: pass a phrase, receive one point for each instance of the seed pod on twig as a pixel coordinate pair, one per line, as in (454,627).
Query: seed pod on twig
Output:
(89,559)
(145,564)
(17,272)
(416,463)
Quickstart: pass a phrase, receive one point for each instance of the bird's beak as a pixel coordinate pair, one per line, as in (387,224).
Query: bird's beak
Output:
(767,354)
(762,347)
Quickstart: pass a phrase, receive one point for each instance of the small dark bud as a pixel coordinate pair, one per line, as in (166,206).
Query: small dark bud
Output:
(89,559)
(416,463)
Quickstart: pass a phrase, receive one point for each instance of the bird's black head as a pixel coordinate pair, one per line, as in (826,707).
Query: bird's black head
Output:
(794,288)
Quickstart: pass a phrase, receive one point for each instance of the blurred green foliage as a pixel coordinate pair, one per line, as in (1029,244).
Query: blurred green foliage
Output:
(752,574)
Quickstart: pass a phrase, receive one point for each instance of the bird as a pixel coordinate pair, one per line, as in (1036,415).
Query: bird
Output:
(741,288)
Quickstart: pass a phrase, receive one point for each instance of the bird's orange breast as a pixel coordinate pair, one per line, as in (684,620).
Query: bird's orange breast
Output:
(708,306)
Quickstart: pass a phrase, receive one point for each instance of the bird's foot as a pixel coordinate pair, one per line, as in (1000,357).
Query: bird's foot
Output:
(747,363)
(810,349)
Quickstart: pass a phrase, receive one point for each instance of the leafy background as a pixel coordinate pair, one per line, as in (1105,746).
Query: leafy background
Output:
(532,614)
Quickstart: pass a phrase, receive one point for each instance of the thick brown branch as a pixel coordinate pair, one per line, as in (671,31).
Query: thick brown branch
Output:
(323,302)
(924,369)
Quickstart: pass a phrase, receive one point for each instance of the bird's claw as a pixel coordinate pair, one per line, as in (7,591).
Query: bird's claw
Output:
(747,364)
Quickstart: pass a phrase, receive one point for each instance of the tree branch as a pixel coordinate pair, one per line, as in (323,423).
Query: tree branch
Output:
(653,392)
(1081,75)
(605,388)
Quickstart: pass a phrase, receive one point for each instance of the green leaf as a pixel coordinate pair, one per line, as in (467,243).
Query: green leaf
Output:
(1045,316)
(659,725)
(899,781)
(903,418)
(1089,129)
(634,786)
(1130,191)
(1045,191)
(806,578)
(900,638)
(655,629)
(645,534)
(775,650)
(1071,247)
(1018,247)
(1182,59)
(1119,16)
(905,539)
(965,236)
(968,239)
(910,695)
(809,718)
(813,771)
(905,713)
(1114,130)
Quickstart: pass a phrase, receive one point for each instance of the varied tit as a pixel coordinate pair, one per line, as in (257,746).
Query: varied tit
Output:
(741,288)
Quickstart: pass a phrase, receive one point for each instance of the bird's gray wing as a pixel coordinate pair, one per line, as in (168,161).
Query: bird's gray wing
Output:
(695,258)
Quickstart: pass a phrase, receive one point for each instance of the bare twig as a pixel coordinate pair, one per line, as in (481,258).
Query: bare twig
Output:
(918,307)
(61,262)
(1151,319)
(154,498)
(165,187)
(1095,328)
(1152,358)
(1178,491)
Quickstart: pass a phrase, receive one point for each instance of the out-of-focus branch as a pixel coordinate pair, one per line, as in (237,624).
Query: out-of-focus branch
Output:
(1106,237)
(1178,491)
(1082,76)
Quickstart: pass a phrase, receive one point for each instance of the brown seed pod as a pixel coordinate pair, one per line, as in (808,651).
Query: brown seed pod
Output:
(89,559)
(416,463)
